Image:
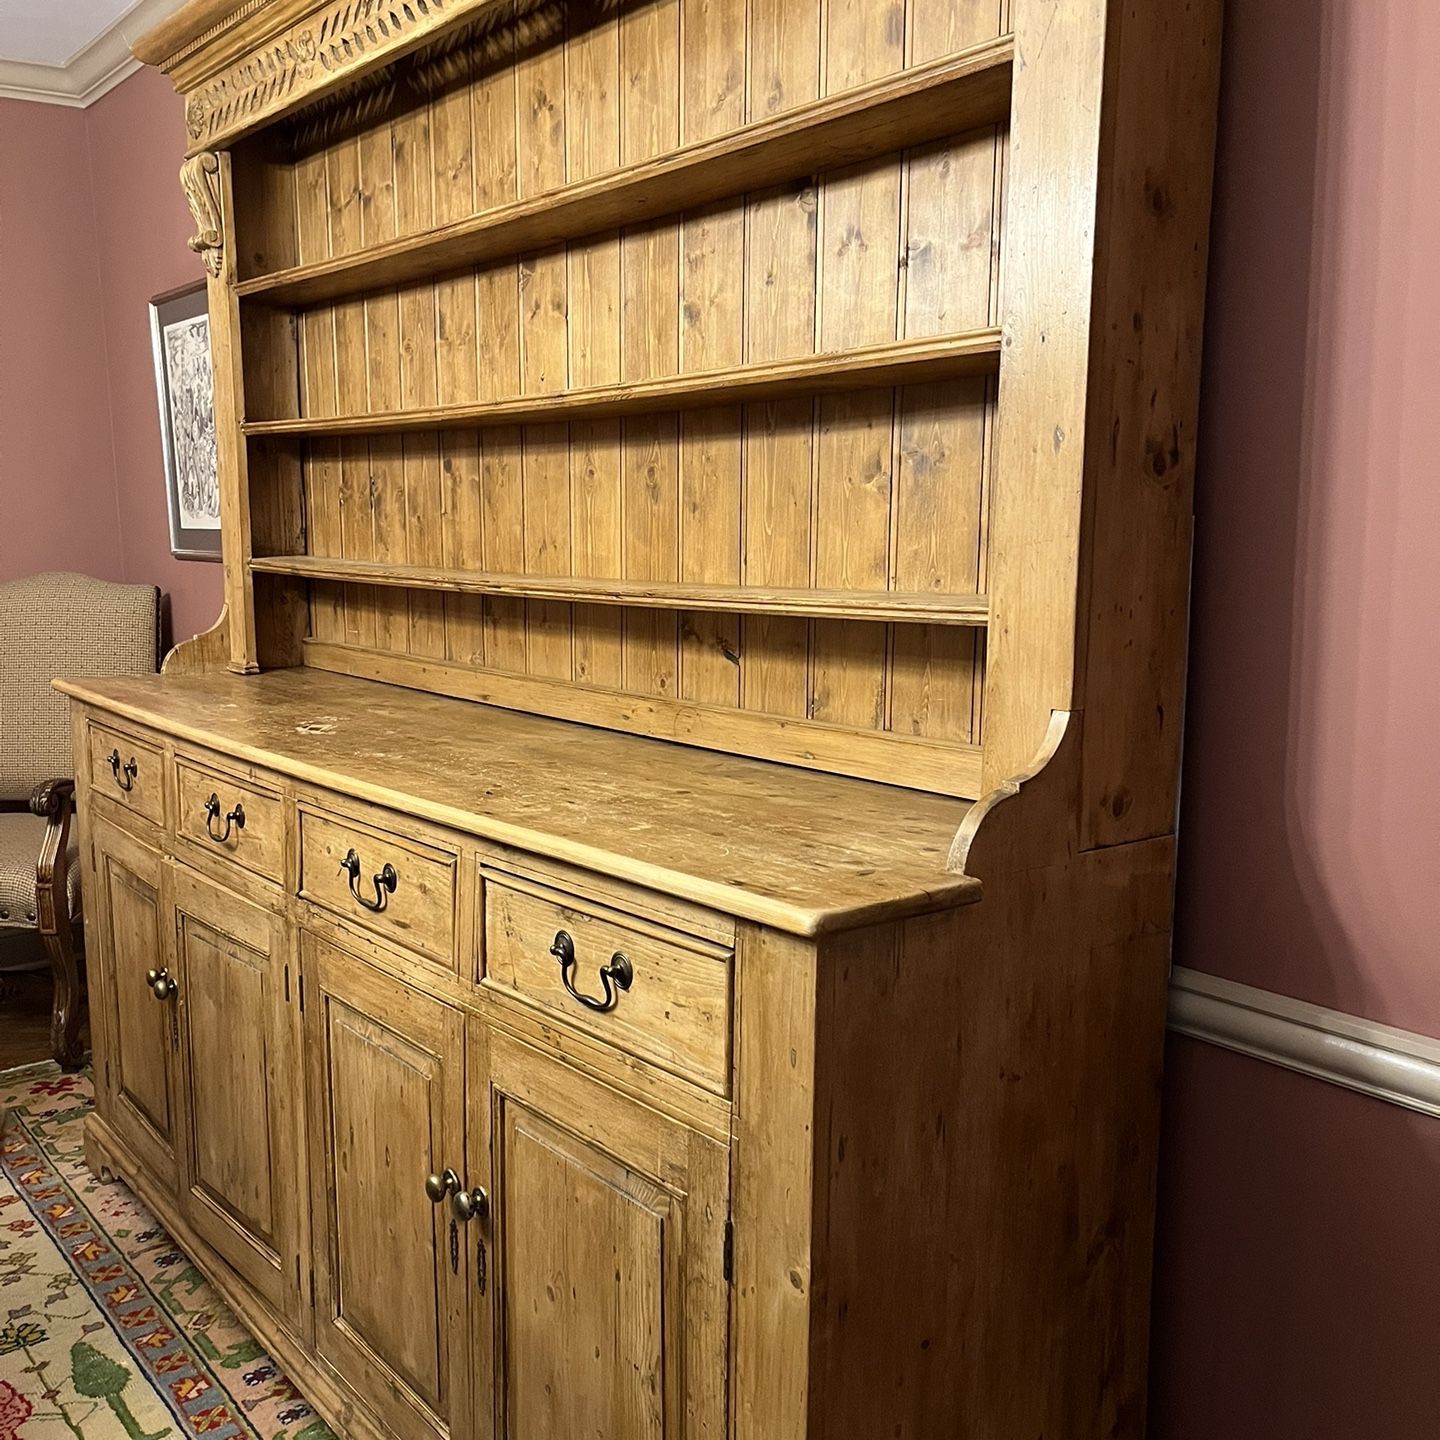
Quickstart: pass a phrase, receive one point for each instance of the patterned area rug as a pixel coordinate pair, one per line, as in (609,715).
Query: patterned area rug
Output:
(107,1332)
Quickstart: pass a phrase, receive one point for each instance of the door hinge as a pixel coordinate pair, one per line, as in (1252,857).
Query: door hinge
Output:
(729,1251)
(480,1263)
(287,984)
(302,992)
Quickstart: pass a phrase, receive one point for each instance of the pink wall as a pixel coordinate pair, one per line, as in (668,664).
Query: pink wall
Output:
(1310,847)
(137,139)
(1298,1271)
(1298,1293)
(92,224)
(57,473)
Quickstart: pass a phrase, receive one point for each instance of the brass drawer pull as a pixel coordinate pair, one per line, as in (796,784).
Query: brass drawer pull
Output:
(385,883)
(619,974)
(212,813)
(162,985)
(130,770)
(464,1204)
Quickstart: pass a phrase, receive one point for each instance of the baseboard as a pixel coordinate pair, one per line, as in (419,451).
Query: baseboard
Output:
(1362,1055)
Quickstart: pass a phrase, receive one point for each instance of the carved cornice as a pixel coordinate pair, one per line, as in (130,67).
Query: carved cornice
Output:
(226,22)
(242,64)
(200,175)
(484,39)
(252,89)
(316,53)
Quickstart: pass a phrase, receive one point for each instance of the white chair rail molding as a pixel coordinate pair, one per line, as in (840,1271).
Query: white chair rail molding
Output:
(1364,1055)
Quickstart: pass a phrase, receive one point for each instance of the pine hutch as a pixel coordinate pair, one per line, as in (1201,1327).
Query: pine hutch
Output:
(648,916)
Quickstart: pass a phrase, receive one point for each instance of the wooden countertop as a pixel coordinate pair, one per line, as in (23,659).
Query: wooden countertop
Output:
(798,850)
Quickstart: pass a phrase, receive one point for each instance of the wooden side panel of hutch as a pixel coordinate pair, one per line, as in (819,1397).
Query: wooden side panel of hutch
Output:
(954,1270)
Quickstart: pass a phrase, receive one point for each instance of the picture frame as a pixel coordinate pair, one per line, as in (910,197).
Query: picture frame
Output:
(185,390)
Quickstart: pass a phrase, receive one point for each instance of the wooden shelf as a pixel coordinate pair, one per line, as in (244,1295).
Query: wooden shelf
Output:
(901,362)
(872,605)
(927,103)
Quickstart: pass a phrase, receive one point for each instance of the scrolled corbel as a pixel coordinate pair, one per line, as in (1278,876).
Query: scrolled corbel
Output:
(200,176)
(1031,814)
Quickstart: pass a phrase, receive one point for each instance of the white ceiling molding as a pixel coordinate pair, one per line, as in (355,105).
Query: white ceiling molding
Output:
(92,71)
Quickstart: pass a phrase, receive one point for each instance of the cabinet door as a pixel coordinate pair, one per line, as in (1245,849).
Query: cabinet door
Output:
(240,1084)
(126,941)
(608,1311)
(385,1068)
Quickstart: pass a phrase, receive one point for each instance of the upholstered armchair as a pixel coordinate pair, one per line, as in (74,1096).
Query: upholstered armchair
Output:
(54,624)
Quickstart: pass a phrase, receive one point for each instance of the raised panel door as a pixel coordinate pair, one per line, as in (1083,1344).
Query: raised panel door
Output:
(608,1311)
(385,1068)
(240,1083)
(127,938)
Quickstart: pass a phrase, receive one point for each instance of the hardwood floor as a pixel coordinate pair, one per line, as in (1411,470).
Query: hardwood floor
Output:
(25,1019)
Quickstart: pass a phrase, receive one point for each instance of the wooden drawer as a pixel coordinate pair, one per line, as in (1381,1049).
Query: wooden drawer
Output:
(676,1009)
(129,771)
(403,890)
(223,815)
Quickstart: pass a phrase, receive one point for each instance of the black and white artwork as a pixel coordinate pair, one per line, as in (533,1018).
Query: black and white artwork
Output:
(180,334)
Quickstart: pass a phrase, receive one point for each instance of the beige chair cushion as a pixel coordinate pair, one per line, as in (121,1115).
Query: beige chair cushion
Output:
(21,835)
(61,624)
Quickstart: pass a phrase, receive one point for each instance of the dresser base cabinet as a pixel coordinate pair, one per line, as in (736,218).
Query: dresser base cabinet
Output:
(689,1176)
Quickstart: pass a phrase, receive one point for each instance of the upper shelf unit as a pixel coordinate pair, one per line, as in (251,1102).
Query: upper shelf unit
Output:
(901,362)
(927,103)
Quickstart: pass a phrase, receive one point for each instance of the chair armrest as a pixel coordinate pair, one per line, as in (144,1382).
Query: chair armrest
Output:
(54,800)
(49,798)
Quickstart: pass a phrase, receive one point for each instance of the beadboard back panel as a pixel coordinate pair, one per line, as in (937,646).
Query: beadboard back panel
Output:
(825,496)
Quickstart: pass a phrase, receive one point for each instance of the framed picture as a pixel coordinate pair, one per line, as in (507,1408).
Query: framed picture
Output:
(185,383)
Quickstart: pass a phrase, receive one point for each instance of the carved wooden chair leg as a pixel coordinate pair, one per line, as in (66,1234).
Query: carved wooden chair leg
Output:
(65,1017)
(55,801)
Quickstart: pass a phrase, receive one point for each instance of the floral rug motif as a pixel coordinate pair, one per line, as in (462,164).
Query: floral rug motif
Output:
(107,1331)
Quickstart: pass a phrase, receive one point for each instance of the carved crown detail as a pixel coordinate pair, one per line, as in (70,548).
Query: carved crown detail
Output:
(347,36)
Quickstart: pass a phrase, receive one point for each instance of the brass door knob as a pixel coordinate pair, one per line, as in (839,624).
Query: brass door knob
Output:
(162,984)
(464,1204)
(470,1204)
(437,1187)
